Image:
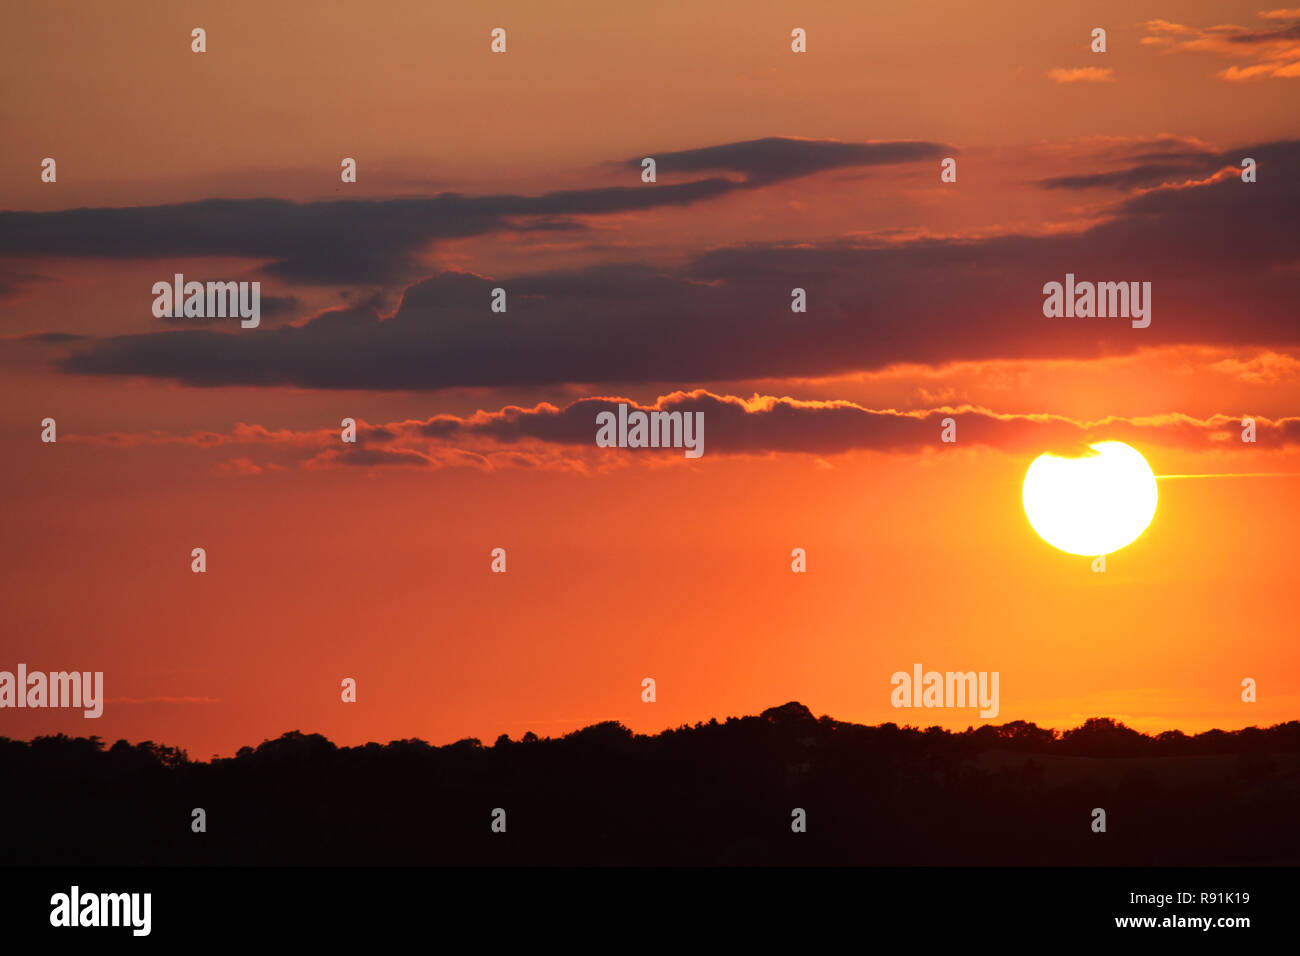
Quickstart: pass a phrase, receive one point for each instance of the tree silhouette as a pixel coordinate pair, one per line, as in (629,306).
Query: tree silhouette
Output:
(715,792)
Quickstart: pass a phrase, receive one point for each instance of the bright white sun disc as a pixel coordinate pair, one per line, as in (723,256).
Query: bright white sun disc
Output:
(1091,505)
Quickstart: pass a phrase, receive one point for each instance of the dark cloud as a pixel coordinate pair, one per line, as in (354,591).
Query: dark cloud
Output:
(362,457)
(47,338)
(1221,256)
(375,241)
(771,424)
(1152,168)
(1146,174)
(272,309)
(775,158)
(547,435)
(339,241)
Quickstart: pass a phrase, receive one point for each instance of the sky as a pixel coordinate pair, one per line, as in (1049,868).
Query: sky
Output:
(522,170)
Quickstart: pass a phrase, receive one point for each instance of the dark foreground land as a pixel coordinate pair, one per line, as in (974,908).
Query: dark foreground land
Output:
(715,793)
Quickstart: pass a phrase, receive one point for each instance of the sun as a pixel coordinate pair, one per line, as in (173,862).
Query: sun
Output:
(1091,505)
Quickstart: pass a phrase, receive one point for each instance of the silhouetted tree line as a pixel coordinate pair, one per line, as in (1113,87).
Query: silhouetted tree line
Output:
(714,793)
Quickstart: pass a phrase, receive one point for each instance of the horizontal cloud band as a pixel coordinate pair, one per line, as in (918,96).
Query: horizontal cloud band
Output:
(1221,256)
(549,435)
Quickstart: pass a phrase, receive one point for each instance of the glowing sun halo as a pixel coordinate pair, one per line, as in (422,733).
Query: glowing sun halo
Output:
(1091,505)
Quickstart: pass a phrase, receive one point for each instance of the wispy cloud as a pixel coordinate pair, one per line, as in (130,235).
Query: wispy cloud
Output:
(1081,74)
(1274,48)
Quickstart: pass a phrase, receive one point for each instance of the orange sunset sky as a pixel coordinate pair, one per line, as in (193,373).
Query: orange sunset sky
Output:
(522,170)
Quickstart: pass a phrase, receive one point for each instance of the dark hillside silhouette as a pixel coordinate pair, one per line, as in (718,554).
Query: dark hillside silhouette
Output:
(714,793)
